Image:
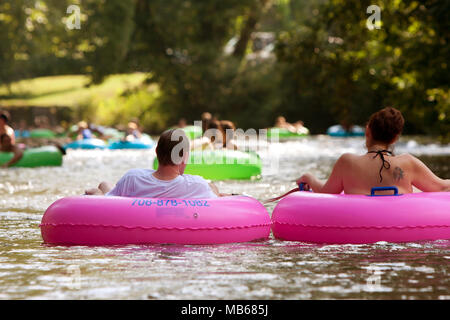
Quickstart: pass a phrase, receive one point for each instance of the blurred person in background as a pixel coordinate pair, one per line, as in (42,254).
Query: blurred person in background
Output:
(83,131)
(228,130)
(4,126)
(6,145)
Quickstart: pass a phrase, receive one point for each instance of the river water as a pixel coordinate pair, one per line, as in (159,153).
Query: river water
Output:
(270,269)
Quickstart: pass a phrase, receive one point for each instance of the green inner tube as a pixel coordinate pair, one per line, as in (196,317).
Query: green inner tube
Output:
(42,133)
(35,157)
(222,164)
(284,133)
(193,132)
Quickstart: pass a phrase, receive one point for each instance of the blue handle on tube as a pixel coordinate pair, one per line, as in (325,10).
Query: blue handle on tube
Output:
(374,189)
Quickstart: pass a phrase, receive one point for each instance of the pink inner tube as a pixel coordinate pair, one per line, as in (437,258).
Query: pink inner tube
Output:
(100,220)
(335,219)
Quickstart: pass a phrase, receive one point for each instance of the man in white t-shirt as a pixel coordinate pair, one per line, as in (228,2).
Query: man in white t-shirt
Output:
(169,181)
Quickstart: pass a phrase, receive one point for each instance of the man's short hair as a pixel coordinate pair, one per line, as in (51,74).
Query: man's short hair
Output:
(172,146)
(4,115)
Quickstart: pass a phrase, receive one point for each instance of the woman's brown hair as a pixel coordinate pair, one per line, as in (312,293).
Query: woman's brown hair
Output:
(216,127)
(228,129)
(386,124)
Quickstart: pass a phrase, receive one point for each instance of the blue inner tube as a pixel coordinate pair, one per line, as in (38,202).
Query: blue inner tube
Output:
(338,131)
(145,142)
(136,144)
(86,144)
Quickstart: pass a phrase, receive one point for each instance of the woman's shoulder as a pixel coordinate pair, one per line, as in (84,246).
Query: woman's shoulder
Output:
(407,158)
(410,161)
(348,157)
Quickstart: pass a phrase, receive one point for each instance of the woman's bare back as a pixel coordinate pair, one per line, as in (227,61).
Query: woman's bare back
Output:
(363,173)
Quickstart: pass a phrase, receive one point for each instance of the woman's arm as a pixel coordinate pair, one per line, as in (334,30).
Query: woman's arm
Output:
(425,180)
(334,184)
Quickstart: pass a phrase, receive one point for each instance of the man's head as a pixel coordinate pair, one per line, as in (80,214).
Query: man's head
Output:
(280,120)
(206,116)
(173,149)
(182,123)
(82,125)
(132,126)
(206,119)
(4,118)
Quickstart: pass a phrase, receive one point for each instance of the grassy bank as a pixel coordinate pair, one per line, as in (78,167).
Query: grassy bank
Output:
(68,90)
(115,101)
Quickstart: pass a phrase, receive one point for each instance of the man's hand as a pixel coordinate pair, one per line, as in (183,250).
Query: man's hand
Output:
(214,189)
(93,192)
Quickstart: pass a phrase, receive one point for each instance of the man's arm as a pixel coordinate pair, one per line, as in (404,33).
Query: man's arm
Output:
(18,154)
(102,189)
(216,190)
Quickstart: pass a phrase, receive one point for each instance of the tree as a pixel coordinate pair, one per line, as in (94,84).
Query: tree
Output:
(334,67)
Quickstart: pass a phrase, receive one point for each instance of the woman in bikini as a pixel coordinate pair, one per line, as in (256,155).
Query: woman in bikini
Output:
(379,167)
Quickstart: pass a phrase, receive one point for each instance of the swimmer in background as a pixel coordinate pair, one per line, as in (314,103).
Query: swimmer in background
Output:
(283,124)
(206,119)
(300,128)
(42,122)
(213,137)
(203,142)
(168,181)
(182,123)
(5,128)
(228,131)
(83,131)
(6,145)
(97,130)
(379,167)
(132,133)
(22,131)
(346,125)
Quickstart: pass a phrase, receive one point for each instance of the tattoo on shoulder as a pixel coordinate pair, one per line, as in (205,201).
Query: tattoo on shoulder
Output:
(398,174)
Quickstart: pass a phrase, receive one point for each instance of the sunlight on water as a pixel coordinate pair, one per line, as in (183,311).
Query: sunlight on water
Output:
(269,269)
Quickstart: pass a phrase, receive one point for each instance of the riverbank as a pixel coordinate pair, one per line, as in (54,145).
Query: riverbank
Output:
(64,100)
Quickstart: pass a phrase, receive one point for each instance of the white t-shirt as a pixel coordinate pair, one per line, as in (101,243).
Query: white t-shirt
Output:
(141,183)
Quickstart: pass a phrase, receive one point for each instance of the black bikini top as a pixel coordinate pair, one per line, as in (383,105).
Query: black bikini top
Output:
(385,163)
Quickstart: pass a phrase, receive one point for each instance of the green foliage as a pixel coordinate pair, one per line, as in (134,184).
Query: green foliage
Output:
(336,67)
(182,43)
(327,66)
(142,104)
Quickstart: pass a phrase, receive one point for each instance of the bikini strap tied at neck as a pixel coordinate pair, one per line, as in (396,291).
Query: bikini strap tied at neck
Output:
(385,163)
